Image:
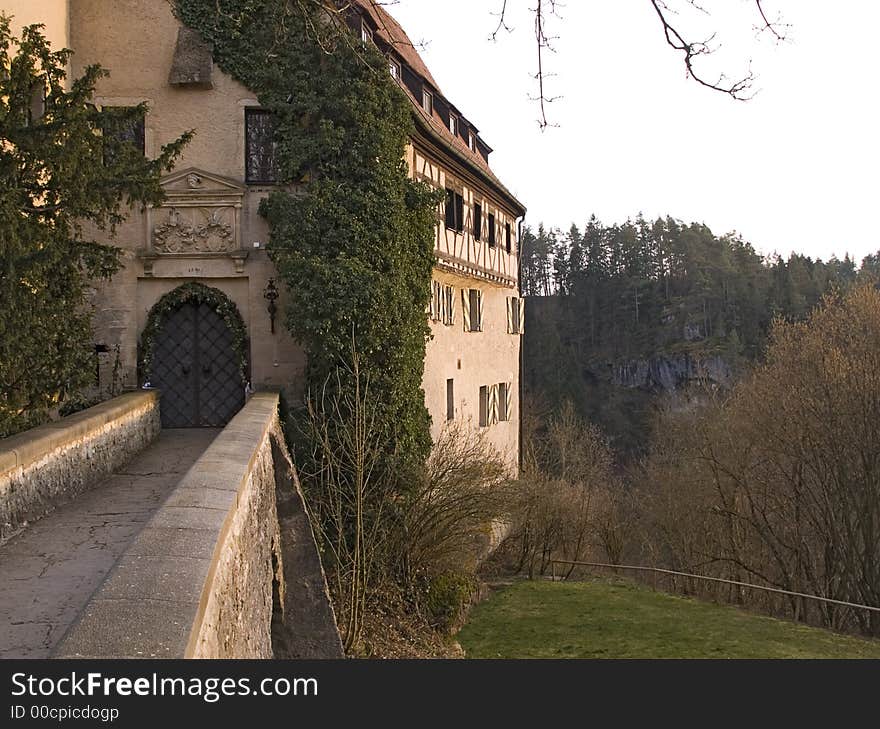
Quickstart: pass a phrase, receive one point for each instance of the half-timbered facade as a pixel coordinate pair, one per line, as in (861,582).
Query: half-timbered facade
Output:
(472,362)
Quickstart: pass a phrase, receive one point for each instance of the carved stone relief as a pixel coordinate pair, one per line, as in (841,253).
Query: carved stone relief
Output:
(195,230)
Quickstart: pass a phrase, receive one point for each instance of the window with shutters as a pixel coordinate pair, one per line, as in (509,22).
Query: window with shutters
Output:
(366,34)
(450,399)
(478,221)
(484,406)
(261,148)
(454,211)
(491,230)
(453,124)
(513,327)
(436,301)
(503,401)
(475,305)
(394,69)
(448,302)
(427,101)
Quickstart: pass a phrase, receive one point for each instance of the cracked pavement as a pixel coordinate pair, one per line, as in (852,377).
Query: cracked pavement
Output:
(50,569)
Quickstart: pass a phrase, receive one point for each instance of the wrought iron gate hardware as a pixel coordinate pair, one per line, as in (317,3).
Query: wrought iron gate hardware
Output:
(196,367)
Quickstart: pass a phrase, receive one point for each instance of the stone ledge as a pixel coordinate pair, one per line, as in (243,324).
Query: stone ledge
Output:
(46,466)
(175,564)
(25,448)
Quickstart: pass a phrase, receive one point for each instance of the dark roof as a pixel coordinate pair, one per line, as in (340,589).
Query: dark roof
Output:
(394,39)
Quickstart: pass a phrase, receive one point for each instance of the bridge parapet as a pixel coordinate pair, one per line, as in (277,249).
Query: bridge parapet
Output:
(215,573)
(45,466)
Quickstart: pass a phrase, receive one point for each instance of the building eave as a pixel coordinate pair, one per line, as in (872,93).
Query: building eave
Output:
(440,145)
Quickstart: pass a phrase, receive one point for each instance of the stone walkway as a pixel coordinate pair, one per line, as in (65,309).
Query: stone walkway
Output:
(49,571)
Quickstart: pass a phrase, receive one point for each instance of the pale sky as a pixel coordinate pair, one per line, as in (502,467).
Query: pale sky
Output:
(795,168)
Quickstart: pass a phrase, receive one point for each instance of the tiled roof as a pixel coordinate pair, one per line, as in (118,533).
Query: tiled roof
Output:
(390,33)
(389,30)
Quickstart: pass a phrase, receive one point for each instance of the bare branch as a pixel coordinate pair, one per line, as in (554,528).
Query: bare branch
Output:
(694,49)
(777,28)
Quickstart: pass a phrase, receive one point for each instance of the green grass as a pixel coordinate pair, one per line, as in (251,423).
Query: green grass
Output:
(620,620)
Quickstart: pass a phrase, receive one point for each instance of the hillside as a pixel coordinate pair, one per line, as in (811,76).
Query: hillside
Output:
(625,319)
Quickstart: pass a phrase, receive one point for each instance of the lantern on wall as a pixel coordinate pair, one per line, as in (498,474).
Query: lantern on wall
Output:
(271,295)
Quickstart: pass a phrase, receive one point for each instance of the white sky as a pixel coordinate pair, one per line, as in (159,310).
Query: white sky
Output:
(795,168)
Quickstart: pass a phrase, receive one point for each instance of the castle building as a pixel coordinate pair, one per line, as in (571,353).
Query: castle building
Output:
(198,263)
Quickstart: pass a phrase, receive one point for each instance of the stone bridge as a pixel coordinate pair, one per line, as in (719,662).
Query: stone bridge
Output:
(122,540)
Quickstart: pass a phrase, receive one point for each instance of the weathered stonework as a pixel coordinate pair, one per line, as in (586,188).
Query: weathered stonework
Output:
(210,575)
(46,466)
(193,62)
(236,619)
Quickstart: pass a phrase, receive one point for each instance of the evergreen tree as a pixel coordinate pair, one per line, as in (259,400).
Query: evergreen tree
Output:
(67,170)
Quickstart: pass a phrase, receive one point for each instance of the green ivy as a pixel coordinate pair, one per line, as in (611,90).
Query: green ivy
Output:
(352,236)
(193,293)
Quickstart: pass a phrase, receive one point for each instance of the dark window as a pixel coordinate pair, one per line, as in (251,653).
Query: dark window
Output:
(474,305)
(37,108)
(453,124)
(450,399)
(502,402)
(130,130)
(484,406)
(507,236)
(427,101)
(261,148)
(411,81)
(454,210)
(478,220)
(491,229)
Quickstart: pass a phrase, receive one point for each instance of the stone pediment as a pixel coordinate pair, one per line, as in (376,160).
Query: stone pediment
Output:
(194,182)
(200,216)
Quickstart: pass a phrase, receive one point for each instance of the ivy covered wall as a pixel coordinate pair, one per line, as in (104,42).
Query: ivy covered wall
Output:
(351,233)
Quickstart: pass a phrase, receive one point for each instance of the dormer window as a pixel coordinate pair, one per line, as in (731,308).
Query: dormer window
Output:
(394,69)
(472,141)
(428,101)
(366,33)
(453,124)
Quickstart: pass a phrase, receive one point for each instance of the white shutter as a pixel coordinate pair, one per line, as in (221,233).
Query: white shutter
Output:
(493,404)
(522,316)
(466,309)
(509,405)
(480,300)
(509,315)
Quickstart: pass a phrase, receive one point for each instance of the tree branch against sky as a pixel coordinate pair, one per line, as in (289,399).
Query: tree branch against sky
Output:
(674,22)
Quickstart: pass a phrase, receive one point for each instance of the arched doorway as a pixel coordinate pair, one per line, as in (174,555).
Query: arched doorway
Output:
(194,352)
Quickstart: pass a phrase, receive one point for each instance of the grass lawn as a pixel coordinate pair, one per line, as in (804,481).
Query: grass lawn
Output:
(619,620)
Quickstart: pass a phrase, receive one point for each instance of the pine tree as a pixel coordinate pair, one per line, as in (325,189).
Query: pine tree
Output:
(66,168)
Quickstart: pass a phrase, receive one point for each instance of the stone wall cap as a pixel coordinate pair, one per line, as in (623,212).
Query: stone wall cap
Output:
(31,445)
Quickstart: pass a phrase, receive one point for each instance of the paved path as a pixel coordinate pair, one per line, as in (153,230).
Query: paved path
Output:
(49,571)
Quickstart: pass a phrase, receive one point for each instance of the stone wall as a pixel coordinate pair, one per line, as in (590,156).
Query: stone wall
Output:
(48,465)
(215,574)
